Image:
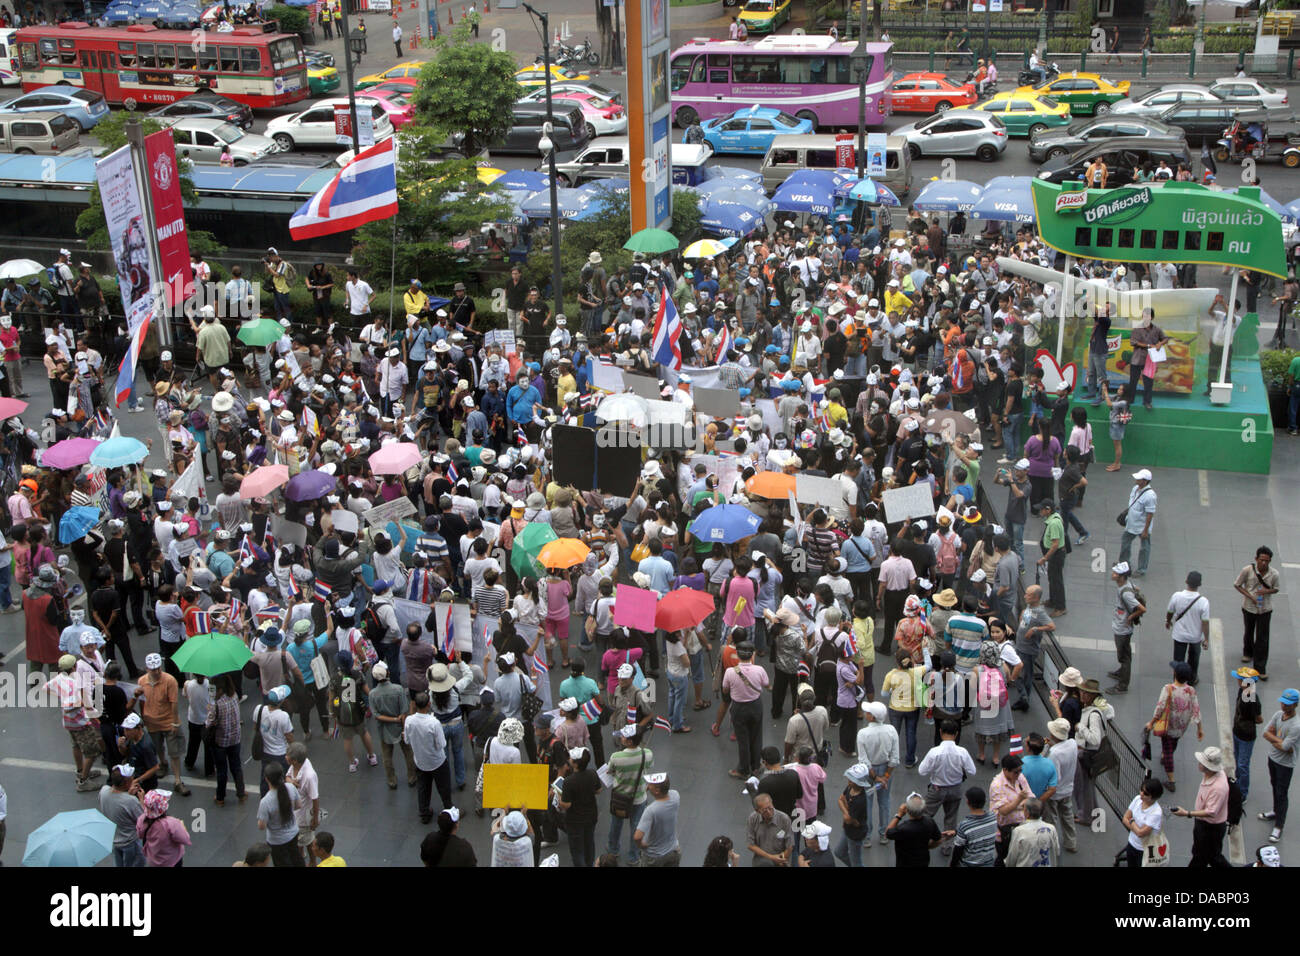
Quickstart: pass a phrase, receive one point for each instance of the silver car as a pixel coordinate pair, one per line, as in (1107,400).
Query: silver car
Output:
(1244,88)
(1155,102)
(956,133)
(204,140)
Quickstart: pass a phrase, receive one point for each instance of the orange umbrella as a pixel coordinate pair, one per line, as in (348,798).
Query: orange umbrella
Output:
(770,484)
(563,553)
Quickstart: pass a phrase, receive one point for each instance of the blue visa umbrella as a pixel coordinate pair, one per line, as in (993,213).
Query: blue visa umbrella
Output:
(522,179)
(76,521)
(725,524)
(957,195)
(804,197)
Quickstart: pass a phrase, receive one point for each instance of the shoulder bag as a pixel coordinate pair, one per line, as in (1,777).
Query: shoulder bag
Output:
(320,671)
(823,748)
(620,803)
(530,703)
(1161,724)
(1155,849)
(296,687)
(1122,518)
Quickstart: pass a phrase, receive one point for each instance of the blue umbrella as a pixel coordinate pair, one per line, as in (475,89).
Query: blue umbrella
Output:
(725,524)
(836,181)
(152,8)
(1009,201)
(730,220)
(76,521)
(869,191)
(732,172)
(1293,210)
(570,203)
(72,838)
(119,15)
(119,452)
(711,186)
(739,197)
(1283,211)
(603,188)
(804,197)
(957,195)
(529,179)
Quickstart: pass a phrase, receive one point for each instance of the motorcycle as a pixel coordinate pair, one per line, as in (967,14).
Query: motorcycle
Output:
(584,53)
(1030,78)
(986,88)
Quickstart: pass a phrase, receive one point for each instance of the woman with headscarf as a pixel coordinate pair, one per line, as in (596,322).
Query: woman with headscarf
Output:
(912,631)
(501,747)
(993,718)
(45,616)
(163,837)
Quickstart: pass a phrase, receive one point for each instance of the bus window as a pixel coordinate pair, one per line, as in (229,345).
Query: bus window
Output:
(208,60)
(28,53)
(126,53)
(797,69)
(285,53)
(145,58)
(757,69)
(840,70)
(785,157)
(229,59)
(67,52)
(166,56)
(186,58)
(687,69)
(820,159)
(49,51)
(250,60)
(719,68)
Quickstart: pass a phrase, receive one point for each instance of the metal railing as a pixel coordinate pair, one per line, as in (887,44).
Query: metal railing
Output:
(1155,67)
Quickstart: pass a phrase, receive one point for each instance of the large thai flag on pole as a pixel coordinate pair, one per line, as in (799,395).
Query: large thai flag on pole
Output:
(363,191)
(724,345)
(126,371)
(668,329)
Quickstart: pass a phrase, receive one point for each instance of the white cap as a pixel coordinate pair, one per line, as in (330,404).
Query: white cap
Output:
(1143,475)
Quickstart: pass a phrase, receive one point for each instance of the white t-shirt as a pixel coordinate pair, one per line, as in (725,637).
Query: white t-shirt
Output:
(198,696)
(275,724)
(674,651)
(308,784)
(1151,816)
(475,568)
(1187,628)
(359,294)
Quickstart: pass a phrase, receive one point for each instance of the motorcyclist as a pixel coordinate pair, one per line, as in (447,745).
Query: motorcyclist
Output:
(991,81)
(1036,66)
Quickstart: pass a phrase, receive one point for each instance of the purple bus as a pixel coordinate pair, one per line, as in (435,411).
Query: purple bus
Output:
(811,77)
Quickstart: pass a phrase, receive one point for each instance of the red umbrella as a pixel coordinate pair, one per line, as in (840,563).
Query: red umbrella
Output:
(681,609)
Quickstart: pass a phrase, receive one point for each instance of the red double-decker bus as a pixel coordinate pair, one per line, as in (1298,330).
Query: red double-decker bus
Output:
(145,66)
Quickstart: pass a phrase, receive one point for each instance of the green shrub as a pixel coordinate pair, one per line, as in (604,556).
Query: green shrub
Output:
(1274,363)
(292,19)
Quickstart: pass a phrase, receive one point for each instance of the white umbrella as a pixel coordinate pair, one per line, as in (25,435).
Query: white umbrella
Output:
(20,268)
(624,408)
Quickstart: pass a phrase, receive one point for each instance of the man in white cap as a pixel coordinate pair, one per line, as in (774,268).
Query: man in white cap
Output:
(656,832)
(76,699)
(629,767)
(123,808)
(1129,608)
(1138,519)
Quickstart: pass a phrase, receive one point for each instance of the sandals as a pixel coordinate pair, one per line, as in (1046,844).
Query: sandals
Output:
(703,705)
(714,730)
(683,729)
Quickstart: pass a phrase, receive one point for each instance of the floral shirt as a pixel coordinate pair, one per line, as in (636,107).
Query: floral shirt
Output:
(910,634)
(1179,704)
(1003,793)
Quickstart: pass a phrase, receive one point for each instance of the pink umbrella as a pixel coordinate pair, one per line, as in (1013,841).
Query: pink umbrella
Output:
(69,453)
(395,457)
(263,481)
(11,407)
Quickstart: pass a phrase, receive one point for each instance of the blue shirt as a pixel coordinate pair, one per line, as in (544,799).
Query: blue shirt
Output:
(303,653)
(581,689)
(1040,773)
(859,552)
(494,405)
(660,571)
(416,344)
(520,403)
(220,563)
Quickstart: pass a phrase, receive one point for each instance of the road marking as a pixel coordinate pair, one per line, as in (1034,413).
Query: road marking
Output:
(1291,566)
(65,767)
(1223,715)
(1203,480)
(22,646)
(1086,643)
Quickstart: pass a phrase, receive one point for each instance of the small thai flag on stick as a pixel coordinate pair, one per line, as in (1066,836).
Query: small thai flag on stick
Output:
(539,665)
(592,709)
(452,474)
(631,713)
(663,723)
(323,590)
(294,589)
(272,612)
(1015,745)
(202,624)
(851,644)
(449,639)
(236,612)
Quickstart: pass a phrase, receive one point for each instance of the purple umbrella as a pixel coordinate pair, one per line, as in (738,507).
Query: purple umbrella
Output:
(69,453)
(309,485)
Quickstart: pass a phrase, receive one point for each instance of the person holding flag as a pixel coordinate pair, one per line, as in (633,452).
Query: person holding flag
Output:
(665,349)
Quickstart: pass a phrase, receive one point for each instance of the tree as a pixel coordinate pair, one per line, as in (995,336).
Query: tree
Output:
(437,202)
(91,225)
(468,90)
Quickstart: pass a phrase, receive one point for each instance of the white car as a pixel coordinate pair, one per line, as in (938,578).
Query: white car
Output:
(203,139)
(1244,88)
(313,128)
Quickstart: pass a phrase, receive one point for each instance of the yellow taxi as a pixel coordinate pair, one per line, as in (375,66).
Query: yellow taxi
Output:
(764,16)
(1022,113)
(1087,94)
(536,76)
(410,70)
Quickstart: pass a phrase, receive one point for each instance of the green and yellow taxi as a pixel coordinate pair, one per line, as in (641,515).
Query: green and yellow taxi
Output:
(322,76)
(1087,94)
(764,16)
(1023,114)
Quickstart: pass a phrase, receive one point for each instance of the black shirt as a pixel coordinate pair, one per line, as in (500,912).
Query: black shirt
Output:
(535,315)
(1097,340)
(115,707)
(580,790)
(858,811)
(452,526)
(457,852)
(1243,721)
(104,602)
(516,294)
(784,787)
(818,858)
(912,839)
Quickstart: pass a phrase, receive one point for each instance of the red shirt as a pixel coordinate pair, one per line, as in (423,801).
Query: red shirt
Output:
(9,339)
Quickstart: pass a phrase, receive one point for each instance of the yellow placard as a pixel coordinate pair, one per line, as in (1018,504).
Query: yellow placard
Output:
(515,785)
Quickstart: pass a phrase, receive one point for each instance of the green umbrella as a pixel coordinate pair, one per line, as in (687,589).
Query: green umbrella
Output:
(211,654)
(260,332)
(530,541)
(651,241)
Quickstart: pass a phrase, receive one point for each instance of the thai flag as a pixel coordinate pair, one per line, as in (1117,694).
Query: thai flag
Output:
(540,666)
(449,638)
(126,371)
(202,623)
(1016,747)
(249,548)
(103,418)
(591,709)
(236,611)
(958,379)
(804,672)
(724,346)
(663,723)
(323,590)
(294,589)
(631,713)
(272,612)
(520,437)
(667,330)
(452,474)
(268,540)
(851,643)
(365,190)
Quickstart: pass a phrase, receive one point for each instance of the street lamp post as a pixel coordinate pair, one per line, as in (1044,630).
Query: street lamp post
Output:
(352,47)
(547,147)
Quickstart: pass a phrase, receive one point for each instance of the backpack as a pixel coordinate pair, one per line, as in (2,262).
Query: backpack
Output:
(1236,802)
(1137,596)
(946,559)
(375,629)
(993,687)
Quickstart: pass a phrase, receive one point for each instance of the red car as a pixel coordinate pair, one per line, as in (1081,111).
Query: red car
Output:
(929,93)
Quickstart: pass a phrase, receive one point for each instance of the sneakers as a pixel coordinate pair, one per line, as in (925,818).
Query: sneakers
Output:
(372,760)
(85,785)
(1275,835)
(1082,538)
(1117,689)
(1004,461)
(1266,815)
(352,767)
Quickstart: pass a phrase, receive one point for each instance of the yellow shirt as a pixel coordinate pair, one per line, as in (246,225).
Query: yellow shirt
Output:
(415,304)
(333,861)
(864,631)
(565,384)
(900,685)
(837,415)
(896,302)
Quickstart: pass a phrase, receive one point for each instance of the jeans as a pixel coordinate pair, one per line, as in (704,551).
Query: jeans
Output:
(678,687)
(582,842)
(880,796)
(229,765)
(633,820)
(1280,778)
(747,719)
(425,781)
(1017,533)
(1011,436)
(282,308)
(1191,652)
(849,852)
(1241,754)
(6,600)
(130,855)
(905,721)
(1025,685)
(1144,550)
(1293,406)
(1254,641)
(1071,520)
(455,734)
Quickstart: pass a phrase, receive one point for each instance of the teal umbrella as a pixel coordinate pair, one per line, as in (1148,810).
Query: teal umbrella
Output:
(260,332)
(72,838)
(76,522)
(651,241)
(527,544)
(211,654)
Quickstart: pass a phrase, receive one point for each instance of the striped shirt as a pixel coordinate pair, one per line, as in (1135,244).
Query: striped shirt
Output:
(491,601)
(978,834)
(967,633)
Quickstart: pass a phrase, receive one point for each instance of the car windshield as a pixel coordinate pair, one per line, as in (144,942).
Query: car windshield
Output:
(1047,101)
(759,6)
(926,121)
(397,99)
(785,119)
(228,133)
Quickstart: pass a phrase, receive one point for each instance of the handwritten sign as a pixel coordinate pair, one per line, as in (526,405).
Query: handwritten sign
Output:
(634,607)
(397,508)
(502,337)
(914,501)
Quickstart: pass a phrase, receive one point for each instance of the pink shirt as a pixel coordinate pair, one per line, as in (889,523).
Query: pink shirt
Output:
(557,600)
(164,841)
(737,589)
(737,689)
(811,775)
(897,573)
(1212,795)
(610,661)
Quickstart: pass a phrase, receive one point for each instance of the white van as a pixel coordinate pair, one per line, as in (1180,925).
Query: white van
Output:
(606,157)
(790,153)
(9,69)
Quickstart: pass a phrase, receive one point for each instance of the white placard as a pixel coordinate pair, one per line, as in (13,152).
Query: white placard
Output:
(289,532)
(666,413)
(502,337)
(607,377)
(390,511)
(464,634)
(913,501)
(411,612)
(822,492)
(1157,355)
(645,386)
(771,420)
